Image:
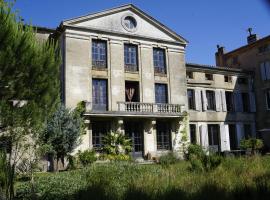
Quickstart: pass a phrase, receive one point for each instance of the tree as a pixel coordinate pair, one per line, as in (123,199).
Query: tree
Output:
(29,87)
(29,69)
(61,134)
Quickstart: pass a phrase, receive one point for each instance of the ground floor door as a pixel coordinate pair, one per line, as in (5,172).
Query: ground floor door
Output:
(163,135)
(134,130)
(214,137)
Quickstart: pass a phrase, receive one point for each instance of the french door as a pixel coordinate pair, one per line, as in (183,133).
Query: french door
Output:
(134,131)
(99,95)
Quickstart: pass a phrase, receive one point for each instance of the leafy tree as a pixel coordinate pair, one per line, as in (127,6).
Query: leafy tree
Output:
(61,134)
(29,87)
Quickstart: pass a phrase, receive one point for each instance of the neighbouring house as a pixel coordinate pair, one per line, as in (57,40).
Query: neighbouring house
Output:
(255,57)
(130,70)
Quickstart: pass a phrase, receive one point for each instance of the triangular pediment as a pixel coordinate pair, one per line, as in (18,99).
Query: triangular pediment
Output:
(113,20)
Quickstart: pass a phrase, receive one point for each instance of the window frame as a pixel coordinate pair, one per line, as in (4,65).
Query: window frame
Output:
(99,63)
(159,61)
(245,101)
(131,66)
(211,133)
(232,106)
(209,102)
(191,76)
(267,92)
(209,77)
(105,125)
(229,79)
(192,106)
(191,134)
(163,139)
(159,96)
(99,106)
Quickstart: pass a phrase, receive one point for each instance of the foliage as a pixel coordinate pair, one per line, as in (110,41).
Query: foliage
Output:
(61,135)
(200,161)
(251,143)
(184,134)
(235,179)
(87,157)
(29,69)
(167,159)
(116,157)
(116,143)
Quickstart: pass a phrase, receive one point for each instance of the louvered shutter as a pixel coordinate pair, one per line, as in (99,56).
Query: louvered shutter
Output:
(263,75)
(252,102)
(218,100)
(204,136)
(267,70)
(239,132)
(223,100)
(198,102)
(224,137)
(204,99)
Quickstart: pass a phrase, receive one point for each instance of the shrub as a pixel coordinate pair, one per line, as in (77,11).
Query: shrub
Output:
(251,143)
(168,159)
(200,161)
(195,150)
(119,157)
(116,143)
(87,157)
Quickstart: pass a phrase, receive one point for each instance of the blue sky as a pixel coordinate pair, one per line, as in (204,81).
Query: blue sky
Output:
(204,23)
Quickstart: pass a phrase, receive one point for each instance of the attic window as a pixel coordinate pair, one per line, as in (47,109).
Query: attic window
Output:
(129,23)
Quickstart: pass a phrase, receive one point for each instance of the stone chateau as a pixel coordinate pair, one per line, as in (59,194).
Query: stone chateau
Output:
(130,70)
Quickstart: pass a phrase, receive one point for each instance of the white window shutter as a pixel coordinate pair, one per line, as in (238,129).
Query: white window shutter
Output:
(252,102)
(239,132)
(204,136)
(267,70)
(263,75)
(224,137)
(218,100)
(204,103)
(198,102)
(223,100)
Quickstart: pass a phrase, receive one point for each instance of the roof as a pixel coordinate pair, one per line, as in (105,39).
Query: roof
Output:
(264,39)
(121,8)
(216,68)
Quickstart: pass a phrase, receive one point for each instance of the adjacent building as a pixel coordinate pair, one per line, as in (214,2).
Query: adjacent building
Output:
(255,57)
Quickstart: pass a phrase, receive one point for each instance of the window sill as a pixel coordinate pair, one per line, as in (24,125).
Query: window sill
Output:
(160,74)
(99,69)
(132,72)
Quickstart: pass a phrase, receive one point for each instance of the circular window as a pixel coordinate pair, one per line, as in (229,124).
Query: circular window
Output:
(129,23)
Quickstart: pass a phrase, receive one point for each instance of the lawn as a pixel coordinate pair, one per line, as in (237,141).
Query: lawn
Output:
(235,178)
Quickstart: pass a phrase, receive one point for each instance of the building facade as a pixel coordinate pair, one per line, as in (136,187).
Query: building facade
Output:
(255,57)
(130,70)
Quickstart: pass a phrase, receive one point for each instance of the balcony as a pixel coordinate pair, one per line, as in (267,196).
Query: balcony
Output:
(138,109)
(157,108)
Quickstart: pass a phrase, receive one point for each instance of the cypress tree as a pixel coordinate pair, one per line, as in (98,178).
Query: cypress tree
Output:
(29,69)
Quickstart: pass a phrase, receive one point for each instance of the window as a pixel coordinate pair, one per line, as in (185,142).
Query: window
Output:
(227,79)
(213,134)
(161,93)
(233,137)
(159,61)
(132,91)
(192,133)
(189,75)
(242,81)
(210,96)
(99,54)
(209,77)
(163,135)
(99,94)
(131,64)
(267,95)
(245,100)
(264,48)
(265,70)
(247,131)
(99,130)
(235,60)
(229,101)
(191,99)
(130,23)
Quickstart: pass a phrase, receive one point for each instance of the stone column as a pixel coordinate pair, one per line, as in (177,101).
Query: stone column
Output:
(150,137)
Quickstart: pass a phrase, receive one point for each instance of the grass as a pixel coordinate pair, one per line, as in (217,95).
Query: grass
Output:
(241,178)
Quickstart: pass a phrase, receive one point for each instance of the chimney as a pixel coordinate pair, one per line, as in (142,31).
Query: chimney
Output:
(220,56)
(252,37)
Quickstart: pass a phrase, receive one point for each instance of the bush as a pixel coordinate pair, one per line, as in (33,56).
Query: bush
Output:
(251,143)
(119,157)
(200,161)
(167,159)
(87,157)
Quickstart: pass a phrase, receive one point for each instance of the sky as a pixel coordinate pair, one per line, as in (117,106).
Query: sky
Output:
(204,23)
